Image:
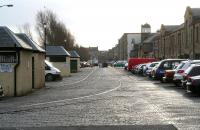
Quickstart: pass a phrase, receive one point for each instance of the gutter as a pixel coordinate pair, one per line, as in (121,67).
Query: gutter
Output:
(15,72)
(194,40)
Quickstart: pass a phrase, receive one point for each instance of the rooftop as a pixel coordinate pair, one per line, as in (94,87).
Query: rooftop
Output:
(151,38)
(52,50)
(9,40)
(74,54)
(30,42)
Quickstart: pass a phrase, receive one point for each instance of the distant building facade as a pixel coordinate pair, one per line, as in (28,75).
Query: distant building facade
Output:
(93,52)
(180,41)
(171,41)
(124,49)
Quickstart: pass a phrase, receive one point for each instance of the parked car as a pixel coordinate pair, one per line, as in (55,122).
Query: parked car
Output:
(169,75)
(178,76)
(126,66)
(147,70)
(163,65)
(153,71)
(193,84)
(135,61)
(193,70)
(85,64)
(104,64)
(134,68)
(51,72)
(119,63)
(139,69)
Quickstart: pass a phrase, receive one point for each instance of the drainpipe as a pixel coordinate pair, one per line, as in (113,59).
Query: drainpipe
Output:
(193,42)
(180,42)
(164,48)
(15,73)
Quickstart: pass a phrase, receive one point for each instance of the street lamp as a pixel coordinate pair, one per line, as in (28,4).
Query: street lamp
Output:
(65,44)
(45,33)
(10,5)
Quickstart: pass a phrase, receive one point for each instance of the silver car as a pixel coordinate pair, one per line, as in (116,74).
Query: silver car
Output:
(179,73)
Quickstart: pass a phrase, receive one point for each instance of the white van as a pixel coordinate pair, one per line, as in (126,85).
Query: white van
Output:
(51,72)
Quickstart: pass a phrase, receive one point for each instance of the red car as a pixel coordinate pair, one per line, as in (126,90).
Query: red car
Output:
(135,61)
(168,76)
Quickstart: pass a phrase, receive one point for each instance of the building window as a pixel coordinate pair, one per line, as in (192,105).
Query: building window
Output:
(57,59)
(197,56)
(8,57)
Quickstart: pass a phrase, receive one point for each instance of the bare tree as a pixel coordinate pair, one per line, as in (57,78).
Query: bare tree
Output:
(56,31)
(26,28)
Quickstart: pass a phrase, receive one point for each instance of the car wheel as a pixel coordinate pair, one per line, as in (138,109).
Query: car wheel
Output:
(161,80)
(49,77)
(178,84)
(193,90)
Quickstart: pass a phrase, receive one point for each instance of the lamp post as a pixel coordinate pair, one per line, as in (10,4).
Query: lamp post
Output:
(65,44)
(45,33)
(10,5)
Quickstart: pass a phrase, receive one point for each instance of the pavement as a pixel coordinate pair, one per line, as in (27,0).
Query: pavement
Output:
(103,98)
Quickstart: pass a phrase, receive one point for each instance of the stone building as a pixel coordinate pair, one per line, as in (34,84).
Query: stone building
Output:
(172,41)
(166,40)
(59,57)
(181,41)
(16,64)
(126,44)
(191,30)
(93,52)
(147,46)
(74,61)
(145,34)
(38,57)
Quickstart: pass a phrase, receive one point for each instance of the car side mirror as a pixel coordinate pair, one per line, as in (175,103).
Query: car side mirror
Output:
(47,68)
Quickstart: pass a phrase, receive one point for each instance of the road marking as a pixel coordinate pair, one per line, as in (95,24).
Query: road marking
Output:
(88,96)
(82,79)
(79,80)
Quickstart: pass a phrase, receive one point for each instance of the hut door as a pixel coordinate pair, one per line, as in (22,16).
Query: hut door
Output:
(33,74)
(73,66)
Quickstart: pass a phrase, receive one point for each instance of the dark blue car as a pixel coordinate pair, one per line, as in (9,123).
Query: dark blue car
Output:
(167,64)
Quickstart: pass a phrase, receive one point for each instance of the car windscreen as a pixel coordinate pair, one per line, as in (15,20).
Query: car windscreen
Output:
(48,63)
(153,64)
(180,66)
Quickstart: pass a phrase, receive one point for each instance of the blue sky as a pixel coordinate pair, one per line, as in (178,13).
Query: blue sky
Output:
(99,22)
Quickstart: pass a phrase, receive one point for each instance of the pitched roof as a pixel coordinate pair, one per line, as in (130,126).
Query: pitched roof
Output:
(9,40)
(180,27)
(195,15)
(146,25)
(195,12)
(30,42)
(151,38)
(56,51)
(74,54)
(170,28)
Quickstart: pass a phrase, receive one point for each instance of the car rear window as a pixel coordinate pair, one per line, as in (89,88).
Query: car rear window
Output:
(195,71)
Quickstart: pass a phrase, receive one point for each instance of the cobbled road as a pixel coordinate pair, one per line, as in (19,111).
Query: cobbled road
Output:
(103,97)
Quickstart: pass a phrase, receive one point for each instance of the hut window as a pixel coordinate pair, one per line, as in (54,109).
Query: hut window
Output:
(57,59)
(8,57)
